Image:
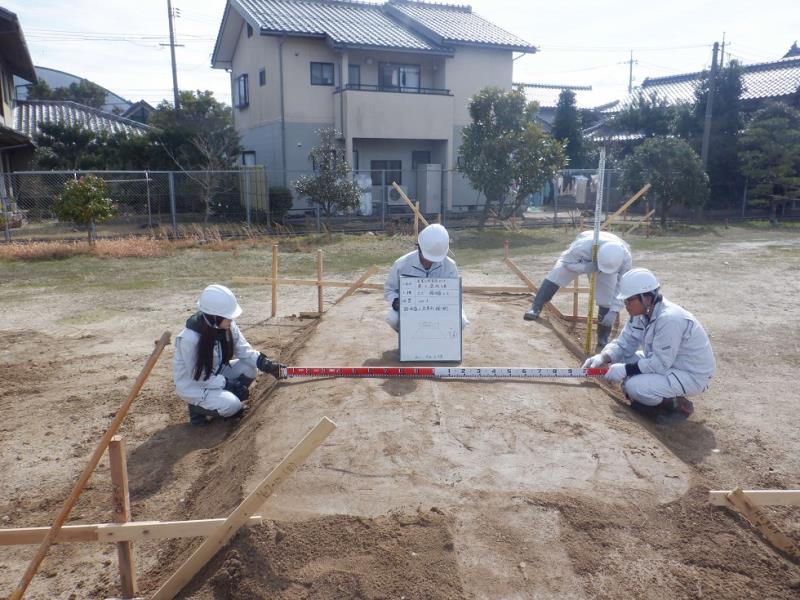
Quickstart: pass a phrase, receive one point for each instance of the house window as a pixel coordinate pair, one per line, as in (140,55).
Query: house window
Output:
(393,168)
(354,75)
(249,30)
(420,157)
(242,91)
(321,73)
(399,77)
(262,77)
(249,158)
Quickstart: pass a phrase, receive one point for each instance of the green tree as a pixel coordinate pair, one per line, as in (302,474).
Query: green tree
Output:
(503,145)
(280,201)
(330,187)
(200,118)
(567,127)
(770,152)
(724,168)
(83,92)
(672,168)
(647,114)
(68,147)
(84,202)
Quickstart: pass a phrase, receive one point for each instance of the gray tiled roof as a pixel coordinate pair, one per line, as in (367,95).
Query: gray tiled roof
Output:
(345,23)
(28,114)
(763,80)
(458,24)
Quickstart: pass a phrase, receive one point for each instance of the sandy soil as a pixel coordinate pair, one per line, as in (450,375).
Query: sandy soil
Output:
(427,489)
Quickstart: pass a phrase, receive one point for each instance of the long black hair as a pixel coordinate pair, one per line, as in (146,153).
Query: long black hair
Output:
(206,326)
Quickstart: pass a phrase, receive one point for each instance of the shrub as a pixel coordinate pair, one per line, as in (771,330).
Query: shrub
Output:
(280,201)
(84,202)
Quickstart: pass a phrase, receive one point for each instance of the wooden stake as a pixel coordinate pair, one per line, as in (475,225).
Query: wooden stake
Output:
(575,298)
(320,299)
(274,310)
(758,519)
(70,502)
(411,205)
(625,206)
(122,514)
(644,220)
(358,283)
(505,249)
(241,513)
(416,219)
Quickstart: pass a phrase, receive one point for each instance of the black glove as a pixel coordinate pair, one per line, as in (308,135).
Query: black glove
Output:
(237,388)
(396,304)
(267,366)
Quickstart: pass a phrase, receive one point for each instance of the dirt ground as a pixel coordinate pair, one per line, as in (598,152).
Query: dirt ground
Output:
(427,489)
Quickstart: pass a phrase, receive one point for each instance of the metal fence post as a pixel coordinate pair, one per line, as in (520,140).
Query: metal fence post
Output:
(149,209)
(317,211)
(172,204)
(384,193)
(6,216)
(248,194)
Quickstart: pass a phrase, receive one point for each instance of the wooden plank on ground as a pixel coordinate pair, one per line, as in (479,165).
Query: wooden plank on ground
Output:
(358,283)
(118,532)
(242,513)
(758,497)
(70,502)
(625,206)
(759,520)
(533,289)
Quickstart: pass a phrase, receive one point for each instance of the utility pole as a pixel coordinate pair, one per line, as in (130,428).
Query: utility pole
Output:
(722,53)
(630,73)
(172,45)
(712,86)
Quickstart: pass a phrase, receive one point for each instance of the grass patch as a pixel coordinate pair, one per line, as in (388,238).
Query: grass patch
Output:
(88,317)
(130,247)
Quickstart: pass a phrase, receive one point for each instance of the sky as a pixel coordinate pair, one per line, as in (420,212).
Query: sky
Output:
(581,42)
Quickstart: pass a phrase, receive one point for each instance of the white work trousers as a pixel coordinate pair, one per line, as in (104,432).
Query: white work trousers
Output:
(651,388)
(226,403)
(393,319)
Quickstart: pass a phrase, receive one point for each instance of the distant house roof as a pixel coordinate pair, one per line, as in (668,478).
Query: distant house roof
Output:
(29,114)
(777,79)
(452,24)
(547,94)
(397,24)
(139,111)
(13,48)
(793,51)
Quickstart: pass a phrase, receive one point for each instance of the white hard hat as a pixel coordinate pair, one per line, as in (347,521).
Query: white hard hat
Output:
(434,242)
(610,257)
(637,281)
(219,301)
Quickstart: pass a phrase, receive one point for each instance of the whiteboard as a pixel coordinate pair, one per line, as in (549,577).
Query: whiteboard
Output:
(430,319)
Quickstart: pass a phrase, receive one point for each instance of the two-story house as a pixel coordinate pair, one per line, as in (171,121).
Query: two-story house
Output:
(395,79)
(14,60)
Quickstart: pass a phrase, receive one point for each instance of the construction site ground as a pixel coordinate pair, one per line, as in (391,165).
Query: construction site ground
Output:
(426,489)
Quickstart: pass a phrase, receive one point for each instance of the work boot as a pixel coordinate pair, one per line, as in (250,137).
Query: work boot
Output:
(546,292)
(245,380)
(651,412)
(200,416)
(674,410)
(603,331)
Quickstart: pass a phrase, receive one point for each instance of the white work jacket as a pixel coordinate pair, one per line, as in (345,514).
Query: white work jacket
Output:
(577,260)
(409,266)
(672,339)
(191,389)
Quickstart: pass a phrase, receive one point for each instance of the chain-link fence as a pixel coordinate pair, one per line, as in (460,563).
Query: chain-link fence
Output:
(169,202)
(254,200)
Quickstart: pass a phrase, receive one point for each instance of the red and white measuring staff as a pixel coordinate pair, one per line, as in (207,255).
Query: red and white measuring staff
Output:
(440,372)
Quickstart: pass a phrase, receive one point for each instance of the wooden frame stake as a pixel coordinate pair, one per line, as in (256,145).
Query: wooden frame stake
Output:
(70,502)
(320,298)
(245,510)
(625,206)
(274,309)
(358,283)
(122,514)
(758,497)
(511,265)
(739,500)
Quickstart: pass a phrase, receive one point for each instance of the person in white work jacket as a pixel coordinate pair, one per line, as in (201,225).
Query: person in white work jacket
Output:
(661,356)
(613,259)
(214,365)
(428,260)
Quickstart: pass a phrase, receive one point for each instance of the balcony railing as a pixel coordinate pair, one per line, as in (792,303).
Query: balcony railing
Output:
(363,87)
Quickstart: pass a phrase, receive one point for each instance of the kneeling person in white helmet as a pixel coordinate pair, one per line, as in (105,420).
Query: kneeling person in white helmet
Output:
(428,260)
(613,259)
(214,365)
(661,356)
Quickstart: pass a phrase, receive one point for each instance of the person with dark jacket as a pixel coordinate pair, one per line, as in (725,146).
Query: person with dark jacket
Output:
(214,365)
